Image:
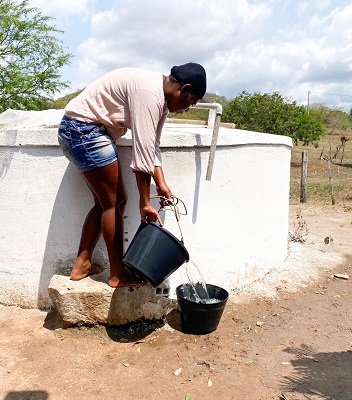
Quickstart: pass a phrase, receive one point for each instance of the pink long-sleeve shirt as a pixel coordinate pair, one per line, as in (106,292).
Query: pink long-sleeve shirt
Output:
(127,98)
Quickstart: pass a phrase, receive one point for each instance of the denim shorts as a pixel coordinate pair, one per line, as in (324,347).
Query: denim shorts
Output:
(87,146)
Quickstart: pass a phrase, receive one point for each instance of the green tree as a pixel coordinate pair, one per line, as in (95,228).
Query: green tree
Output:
(272,113)
(332,118)
(197,113)
(62,101)
(31,56)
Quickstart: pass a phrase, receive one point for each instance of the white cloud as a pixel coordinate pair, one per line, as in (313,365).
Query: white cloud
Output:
(64,9)
(178,32)
(291,46)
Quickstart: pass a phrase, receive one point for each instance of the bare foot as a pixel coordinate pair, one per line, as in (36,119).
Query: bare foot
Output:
(82,272)
(125,279)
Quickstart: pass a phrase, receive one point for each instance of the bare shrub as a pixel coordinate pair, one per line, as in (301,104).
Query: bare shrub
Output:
(299,233)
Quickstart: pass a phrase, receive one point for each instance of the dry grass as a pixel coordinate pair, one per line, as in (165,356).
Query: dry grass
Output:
(318,186)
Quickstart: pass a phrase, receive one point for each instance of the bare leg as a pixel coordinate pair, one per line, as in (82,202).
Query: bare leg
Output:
(107,185)
(90,234)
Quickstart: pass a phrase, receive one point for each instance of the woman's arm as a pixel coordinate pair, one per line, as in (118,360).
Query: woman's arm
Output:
(148,212)
(161,186)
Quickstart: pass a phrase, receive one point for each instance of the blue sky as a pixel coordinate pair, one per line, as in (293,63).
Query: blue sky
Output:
(289,46)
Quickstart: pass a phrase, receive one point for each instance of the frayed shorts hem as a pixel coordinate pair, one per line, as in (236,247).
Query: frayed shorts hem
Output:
(87,146)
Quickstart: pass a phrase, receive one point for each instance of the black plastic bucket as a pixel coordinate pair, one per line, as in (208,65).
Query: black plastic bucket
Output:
(198,317)
(154,253)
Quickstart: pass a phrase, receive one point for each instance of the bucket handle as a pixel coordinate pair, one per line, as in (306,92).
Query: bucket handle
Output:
(173,206)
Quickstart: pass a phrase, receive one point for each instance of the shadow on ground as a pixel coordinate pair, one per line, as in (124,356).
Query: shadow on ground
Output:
(173,318)
(325,374)
(27,395)
(131,332)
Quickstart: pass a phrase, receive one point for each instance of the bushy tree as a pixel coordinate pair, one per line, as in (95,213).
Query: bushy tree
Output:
(332,118)
(272,113)
(31,57)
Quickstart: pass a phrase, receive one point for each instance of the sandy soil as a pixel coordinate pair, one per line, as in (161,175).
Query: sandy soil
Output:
(287,337)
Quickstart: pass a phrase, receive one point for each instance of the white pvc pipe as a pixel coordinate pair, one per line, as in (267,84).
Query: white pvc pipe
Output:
(217,108)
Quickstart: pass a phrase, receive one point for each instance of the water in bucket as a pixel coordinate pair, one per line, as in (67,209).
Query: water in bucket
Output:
(196,289)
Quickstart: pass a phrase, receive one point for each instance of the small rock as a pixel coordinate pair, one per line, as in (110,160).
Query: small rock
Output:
(178,371)
(260,323)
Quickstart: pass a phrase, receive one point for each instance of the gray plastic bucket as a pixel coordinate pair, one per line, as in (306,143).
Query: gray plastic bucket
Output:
(198,317)
(154,253)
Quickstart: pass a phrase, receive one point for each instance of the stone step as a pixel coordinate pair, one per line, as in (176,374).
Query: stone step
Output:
(92,302)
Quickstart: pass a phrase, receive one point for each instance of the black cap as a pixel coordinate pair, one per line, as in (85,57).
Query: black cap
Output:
(191,73)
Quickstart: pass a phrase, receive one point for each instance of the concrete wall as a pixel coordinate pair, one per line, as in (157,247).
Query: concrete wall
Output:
(235,231)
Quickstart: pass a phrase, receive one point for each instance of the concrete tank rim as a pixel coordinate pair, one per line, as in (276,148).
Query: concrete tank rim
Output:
(42,131)
(36,137)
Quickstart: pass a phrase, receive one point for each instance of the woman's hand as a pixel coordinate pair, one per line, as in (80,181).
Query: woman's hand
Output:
(165,192)
(149,213)
(161,186)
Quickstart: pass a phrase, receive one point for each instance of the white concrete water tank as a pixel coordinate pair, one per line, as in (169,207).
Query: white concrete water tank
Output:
(236,229)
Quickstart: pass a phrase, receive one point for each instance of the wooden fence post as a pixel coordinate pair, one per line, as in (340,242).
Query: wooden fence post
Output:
(304,170)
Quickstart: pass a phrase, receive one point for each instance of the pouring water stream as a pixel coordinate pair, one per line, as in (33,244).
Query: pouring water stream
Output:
(198,288)
(194,288)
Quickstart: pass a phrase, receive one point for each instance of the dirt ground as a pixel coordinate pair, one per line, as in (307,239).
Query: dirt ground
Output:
(286,337)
